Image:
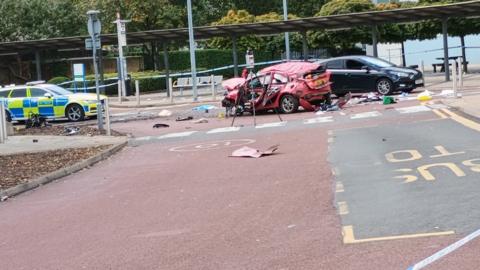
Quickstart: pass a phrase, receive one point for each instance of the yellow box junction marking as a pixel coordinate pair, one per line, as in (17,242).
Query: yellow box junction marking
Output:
(339,187)
(349,236)
(342,208)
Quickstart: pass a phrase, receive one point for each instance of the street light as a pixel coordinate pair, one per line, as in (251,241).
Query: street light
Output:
(191,41)
(287,38)
(94,28)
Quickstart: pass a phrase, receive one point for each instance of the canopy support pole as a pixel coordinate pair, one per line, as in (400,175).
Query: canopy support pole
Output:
(305,46)
(38,65)
(375,40)
(235,56)
(445,49)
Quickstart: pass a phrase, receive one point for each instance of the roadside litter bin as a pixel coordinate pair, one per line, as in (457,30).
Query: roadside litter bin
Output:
(128,86)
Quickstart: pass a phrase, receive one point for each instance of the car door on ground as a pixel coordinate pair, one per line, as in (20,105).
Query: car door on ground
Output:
(358,78)
(18,103)
(338,77)
(43,105)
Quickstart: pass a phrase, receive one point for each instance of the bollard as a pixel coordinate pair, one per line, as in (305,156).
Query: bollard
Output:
(137,91)
(460,73)
(422,69)
(214,95)
(3,123)
(454,77)
(170,89)
(107,117)
(119,83)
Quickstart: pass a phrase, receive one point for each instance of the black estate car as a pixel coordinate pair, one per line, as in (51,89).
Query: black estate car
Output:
(358,74)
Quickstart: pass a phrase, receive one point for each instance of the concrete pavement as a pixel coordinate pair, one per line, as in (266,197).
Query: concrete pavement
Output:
(31,144)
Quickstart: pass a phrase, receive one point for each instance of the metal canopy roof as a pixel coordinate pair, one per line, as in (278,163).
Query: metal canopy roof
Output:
(345,21)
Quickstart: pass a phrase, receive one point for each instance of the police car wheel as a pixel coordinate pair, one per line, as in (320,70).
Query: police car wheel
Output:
(9,117)
(75,113)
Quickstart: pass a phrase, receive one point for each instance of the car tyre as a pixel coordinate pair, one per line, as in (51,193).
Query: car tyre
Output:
(75,113)
(8,116)
(288,104)
(384,86)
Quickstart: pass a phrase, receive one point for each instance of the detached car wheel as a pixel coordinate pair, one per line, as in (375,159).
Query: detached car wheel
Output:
(75,113)
(288,104)
(384,86)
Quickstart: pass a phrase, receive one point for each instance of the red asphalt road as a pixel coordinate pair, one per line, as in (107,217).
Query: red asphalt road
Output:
(149,208)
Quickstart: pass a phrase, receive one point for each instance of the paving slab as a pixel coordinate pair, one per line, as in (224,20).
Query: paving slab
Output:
(27,144)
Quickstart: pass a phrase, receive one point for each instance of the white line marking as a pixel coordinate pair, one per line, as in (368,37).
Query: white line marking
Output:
(221,130)
(365,115)
(143,138)
(317,120)
(438,106)
(269,125)
(413,109)
(176,135)
(445,251)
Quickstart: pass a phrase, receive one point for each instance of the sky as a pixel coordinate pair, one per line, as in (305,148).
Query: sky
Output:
(416,51)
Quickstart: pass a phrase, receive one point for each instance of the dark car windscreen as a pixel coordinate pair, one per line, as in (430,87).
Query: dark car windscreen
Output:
(58,90)
(379,63)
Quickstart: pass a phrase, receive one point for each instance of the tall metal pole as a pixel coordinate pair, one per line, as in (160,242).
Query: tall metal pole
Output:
(167,66)
(375,40)
(191,40)
(287,37)
(94,31)
(445,49)
(235,56)
(38,65)
(121,37)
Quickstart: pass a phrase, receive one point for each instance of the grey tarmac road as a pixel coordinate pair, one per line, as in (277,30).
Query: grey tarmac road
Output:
(153,208)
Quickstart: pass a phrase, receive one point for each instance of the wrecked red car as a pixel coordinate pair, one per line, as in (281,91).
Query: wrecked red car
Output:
(282,87)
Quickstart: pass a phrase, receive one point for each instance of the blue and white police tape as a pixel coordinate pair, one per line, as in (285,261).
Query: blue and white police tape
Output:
(445,251)
(92,87)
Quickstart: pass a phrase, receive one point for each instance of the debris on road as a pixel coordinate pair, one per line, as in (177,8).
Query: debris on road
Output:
(254,153)
(69,131)
(425,96)
(165,113)
(387,100)
(184,118)
(159,125)
(200,121)
(205,108)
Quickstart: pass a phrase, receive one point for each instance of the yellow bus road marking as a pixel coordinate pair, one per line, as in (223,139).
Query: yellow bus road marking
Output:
(439,113)
(339,187)
(349,237)
(462,120)
(342,208)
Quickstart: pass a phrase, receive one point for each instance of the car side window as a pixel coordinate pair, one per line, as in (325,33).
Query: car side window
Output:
(19,93)
(335,64)
(354,64)
(4,93)
(37,92)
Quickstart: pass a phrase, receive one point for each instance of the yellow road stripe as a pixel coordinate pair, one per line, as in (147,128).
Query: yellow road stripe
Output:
(342,208)
(439,113)
(339,187)
(349,237)
(462,120)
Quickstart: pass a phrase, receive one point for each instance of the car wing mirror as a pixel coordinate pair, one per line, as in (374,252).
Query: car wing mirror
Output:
(366,68)
(48,95)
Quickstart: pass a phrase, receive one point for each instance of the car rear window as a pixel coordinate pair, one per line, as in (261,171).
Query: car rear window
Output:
(19,93)
(335,64)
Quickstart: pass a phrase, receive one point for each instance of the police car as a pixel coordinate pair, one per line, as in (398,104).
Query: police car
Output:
(47,100)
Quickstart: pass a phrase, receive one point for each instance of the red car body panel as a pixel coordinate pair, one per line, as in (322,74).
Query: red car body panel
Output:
(299,79)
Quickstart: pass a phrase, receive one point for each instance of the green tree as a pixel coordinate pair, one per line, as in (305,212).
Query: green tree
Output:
(342,40)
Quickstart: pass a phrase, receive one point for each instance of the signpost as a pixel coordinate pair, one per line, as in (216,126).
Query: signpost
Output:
(79,76)
(122,63)
(94,28)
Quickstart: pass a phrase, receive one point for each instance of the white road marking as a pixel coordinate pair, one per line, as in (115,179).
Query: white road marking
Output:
(413,109)
(438,106)
(222,130)
(147,138)
(365,115)
(177,135)
(270,125)
(317,120)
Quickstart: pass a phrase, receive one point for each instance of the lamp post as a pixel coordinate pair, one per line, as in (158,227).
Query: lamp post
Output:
(191,41)
(287,37)
(94,28)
